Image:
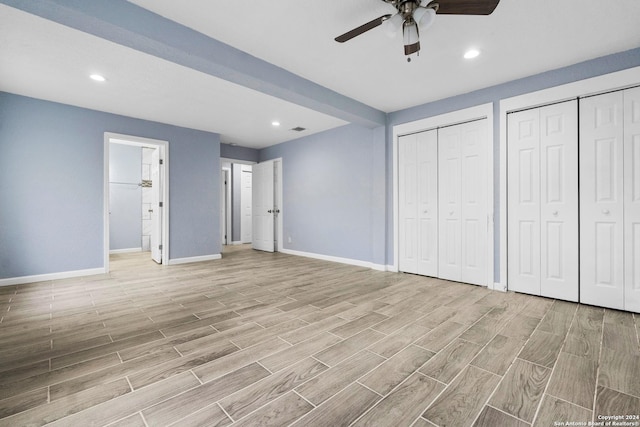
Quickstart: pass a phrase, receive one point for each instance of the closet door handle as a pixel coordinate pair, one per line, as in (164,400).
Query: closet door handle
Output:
(605,211)
(554,213)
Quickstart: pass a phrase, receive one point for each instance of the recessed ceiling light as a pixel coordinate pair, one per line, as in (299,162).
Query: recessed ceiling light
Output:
(471,53)
(275,123)
(97,77)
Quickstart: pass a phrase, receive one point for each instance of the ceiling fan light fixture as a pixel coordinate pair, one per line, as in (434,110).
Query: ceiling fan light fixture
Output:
(391,25)
(424,17)
(411,37)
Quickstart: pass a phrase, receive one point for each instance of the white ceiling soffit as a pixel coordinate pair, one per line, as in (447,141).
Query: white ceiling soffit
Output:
(46,60)
(521,38)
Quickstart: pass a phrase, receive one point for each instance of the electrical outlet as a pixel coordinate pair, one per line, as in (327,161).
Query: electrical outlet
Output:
(289,239)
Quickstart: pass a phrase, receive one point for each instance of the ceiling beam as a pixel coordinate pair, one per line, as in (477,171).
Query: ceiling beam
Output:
(129,25)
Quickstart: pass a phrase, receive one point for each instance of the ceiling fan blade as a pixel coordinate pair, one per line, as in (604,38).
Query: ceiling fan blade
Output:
(466,7)
(362,29)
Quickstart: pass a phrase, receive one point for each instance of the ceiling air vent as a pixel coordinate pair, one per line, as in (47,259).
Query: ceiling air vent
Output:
(299,129)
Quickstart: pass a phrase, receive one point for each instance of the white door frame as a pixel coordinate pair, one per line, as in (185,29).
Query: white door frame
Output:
(613,81)
(468,114)
(163,146)
(278,202)
(226,198)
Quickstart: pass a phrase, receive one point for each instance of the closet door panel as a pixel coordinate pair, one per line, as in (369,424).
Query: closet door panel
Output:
(601,200)
(474,202)
(408,200)
(559,263)
(523,192)
(449,188)
(632,199)
(427,159)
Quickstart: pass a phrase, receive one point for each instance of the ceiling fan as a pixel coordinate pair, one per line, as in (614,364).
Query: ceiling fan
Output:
(413,15)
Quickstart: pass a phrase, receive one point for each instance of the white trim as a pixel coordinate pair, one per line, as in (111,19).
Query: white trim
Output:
(581,88)
(280,218)
(161,145)
(228,213)
(484,111)
(52,276)
(239,242)
(177,261)
(330,258)
(125,251)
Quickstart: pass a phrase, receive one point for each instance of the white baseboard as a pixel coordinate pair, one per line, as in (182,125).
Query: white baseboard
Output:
(349,261)
(237,242)
(52,276)
(176,261)
(125,251)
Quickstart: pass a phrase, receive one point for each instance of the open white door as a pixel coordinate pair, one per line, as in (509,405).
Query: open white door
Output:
(246,222)
(156,210)
(263,215)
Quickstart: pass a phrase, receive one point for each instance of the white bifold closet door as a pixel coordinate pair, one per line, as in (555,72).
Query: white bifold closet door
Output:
(610,200)
(462,202)
(543,201)
(418,198)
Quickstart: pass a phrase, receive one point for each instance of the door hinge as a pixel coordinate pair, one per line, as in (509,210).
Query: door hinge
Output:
(160,247)
(161,162)
(160,204)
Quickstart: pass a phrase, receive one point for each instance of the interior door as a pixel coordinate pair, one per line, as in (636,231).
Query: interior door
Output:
(473,199)
(408,209)
(523,191)
(632,199)
(427,202)
(559,262)
(262,206)
(246,221)
(449,203)
(156,215)
(601,200)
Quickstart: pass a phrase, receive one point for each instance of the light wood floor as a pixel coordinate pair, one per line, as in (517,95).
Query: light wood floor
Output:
(269,339)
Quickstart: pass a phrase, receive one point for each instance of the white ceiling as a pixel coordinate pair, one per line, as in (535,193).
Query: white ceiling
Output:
(46,60)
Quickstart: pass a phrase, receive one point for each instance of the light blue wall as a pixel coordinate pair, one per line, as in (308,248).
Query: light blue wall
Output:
(51,186)
(125,197)
(329,204)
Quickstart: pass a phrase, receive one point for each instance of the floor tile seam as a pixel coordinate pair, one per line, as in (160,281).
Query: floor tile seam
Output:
(599,364)
(369,388)
(144,420)
(506,413)
(555,363)
(636,324)
(570,403)
(243,366)
(75,377)
(460,373)
(493,392)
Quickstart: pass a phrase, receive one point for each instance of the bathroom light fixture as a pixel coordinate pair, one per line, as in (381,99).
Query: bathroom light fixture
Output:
(98,78)
(275,123)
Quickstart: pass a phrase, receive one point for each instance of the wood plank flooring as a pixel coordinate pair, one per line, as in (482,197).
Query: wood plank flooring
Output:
(259,339)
